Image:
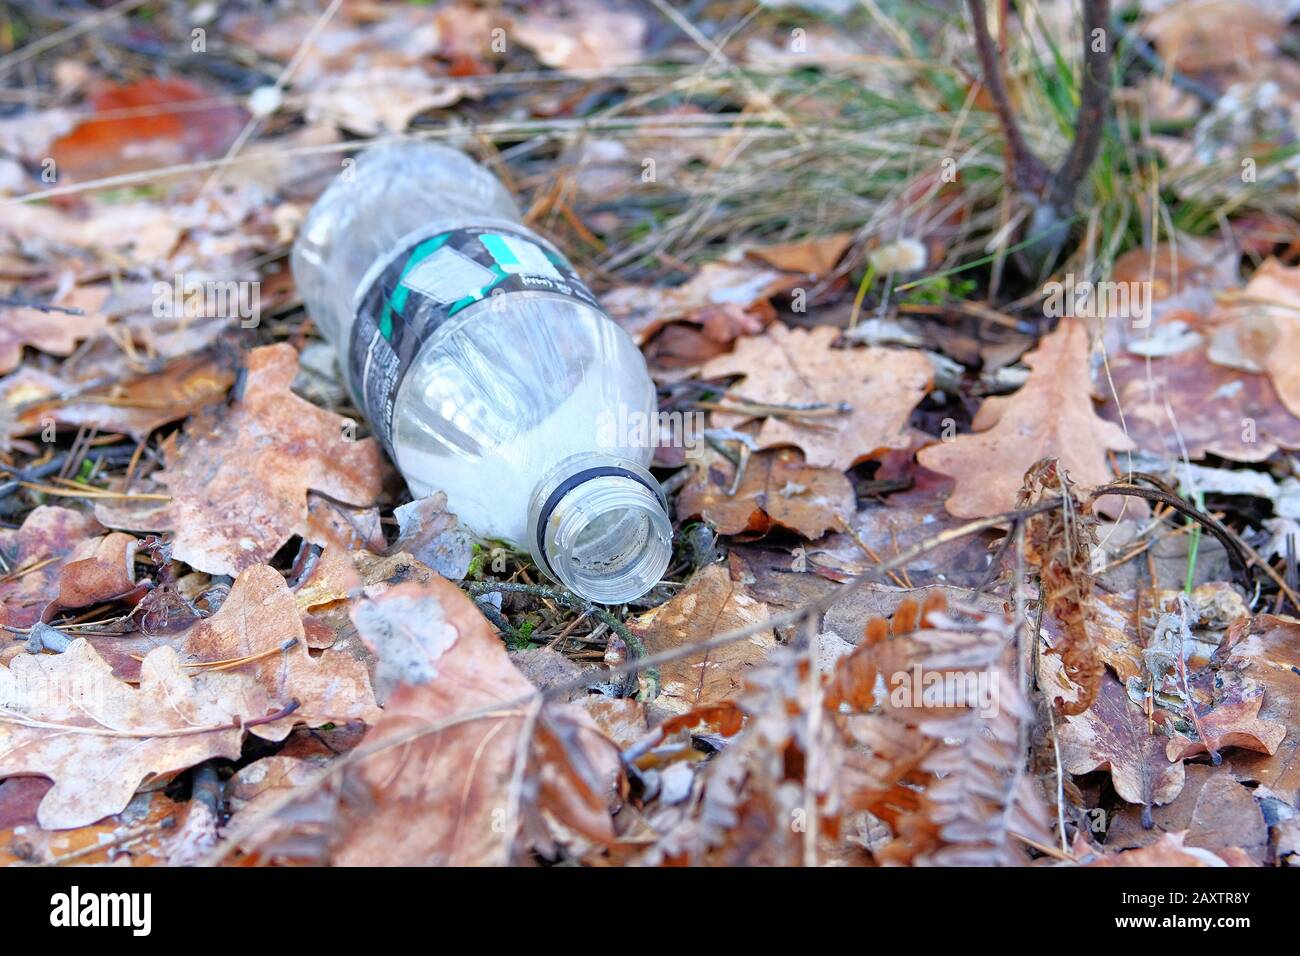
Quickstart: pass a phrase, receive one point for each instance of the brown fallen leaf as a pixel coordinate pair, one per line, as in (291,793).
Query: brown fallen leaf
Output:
(135,407)
(34,557)
(777,489)
(710,603)
(726,299)
(97,570)
(136,836)
(1206,35)
(1169,850)
(257,783)
(814,257)
(444,787)
(55,332)
(1215,810)
(587,37)
(260,623)
(137,232)
(1184,278)
(330,522)
(787,366)
(620,719)
(1270,656)
(883,528)
(1242,419)
(1112,735)
(370,100)
(148,124)
(1050,416)
(1233,722)
(239,481)
(333,578)
(1261,328)
(66,717)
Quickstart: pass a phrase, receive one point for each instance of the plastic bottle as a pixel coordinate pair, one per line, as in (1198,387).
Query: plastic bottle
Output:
(486,367)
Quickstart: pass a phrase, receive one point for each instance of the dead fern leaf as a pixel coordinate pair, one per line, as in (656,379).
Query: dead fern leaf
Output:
(1059,543)
(977,798)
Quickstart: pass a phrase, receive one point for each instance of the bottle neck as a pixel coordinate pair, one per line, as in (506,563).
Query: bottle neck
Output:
(599,525)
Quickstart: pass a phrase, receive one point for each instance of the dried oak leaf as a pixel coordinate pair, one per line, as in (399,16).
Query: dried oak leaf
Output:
(726,299)
(1051,416)
(437,785)
(58,559)
(787,366)
(1270,656)
(1261,330)
(147,125)
(1219,410)
(33,556)
(260,623)
(369,100)
(777,489)
(135,407)
(55,332)
(709,604)
(1184,278)
(1169,850)
(66,717)
(1233,721)
(1218,812)
(1208,35)
(239,482)
(98,570)
(137,834)
(1112,735)
(588,37)
(815,257)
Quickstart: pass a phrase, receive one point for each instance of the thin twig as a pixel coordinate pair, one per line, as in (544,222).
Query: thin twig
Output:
(1028,172)
(18,302)
(1094,101)
(9,717)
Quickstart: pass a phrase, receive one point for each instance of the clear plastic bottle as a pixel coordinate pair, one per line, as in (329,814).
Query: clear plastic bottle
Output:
(486,367)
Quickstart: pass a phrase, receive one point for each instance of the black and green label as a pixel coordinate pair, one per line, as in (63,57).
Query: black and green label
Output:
(424,287)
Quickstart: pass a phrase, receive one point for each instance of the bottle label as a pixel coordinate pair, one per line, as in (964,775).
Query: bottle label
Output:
(432,281)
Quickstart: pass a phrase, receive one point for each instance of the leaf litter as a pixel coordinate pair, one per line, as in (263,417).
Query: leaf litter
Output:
(900,613)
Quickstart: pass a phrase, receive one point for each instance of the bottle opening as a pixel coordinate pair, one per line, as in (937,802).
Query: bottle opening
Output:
(604,533)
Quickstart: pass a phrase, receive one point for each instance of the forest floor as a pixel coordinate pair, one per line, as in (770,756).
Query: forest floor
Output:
(977,354)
